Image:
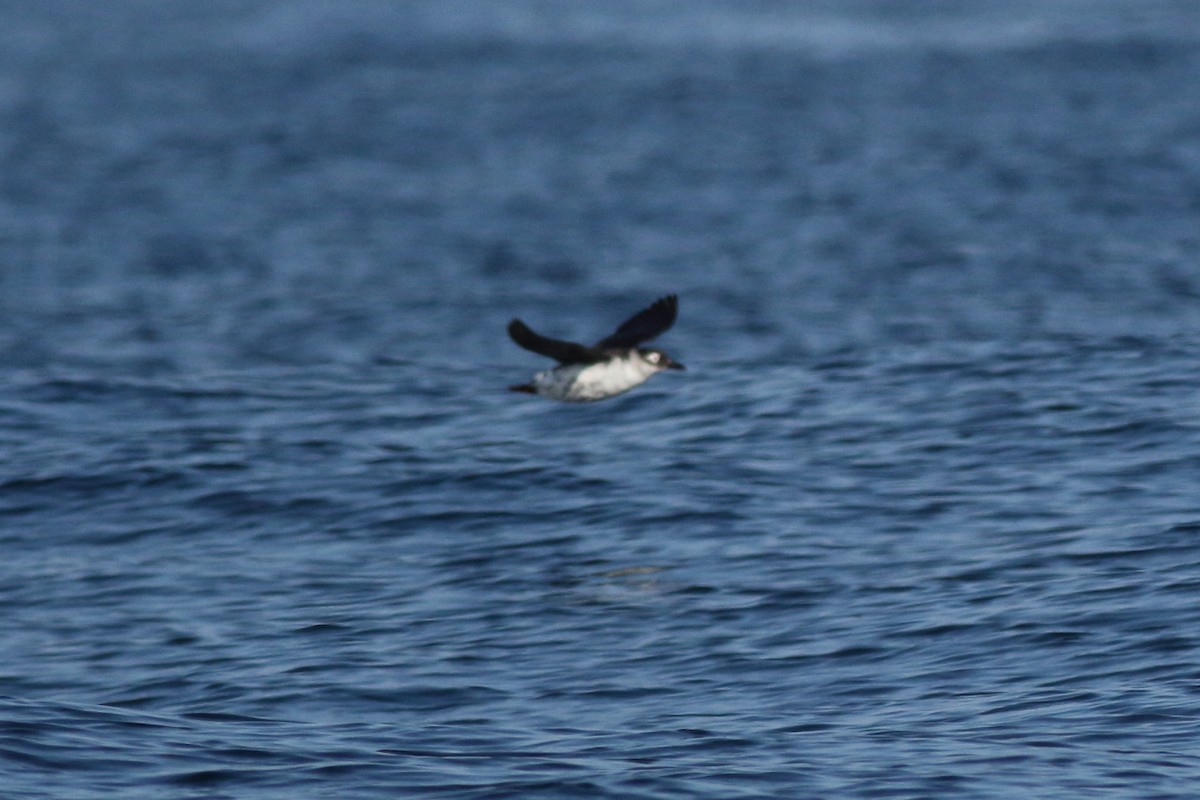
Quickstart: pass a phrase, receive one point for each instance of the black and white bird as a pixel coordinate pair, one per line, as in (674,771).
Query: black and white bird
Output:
(611,366)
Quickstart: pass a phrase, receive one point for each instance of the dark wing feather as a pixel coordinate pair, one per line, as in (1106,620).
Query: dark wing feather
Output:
(562,352)
(644,325)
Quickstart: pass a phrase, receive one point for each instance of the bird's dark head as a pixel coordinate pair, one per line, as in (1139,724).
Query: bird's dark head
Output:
(659,359)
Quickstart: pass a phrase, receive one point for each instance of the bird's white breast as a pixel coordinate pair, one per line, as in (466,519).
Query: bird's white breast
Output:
(580,383)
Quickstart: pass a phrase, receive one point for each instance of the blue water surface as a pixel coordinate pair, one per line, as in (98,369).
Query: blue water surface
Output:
(920,520)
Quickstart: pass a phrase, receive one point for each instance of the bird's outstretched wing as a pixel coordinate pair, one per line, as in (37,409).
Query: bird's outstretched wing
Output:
(562,352)
(644,325)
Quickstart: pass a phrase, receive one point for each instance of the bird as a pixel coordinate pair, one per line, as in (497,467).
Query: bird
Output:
(610,367)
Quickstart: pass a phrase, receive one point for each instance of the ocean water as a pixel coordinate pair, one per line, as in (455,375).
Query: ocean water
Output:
(921,519)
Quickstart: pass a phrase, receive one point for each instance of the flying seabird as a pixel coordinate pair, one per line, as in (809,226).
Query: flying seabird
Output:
(611,366)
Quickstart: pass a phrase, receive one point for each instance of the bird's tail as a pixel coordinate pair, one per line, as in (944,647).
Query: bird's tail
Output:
(527,388)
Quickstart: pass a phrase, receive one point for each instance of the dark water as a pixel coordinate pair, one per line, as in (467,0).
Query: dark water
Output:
(921,519)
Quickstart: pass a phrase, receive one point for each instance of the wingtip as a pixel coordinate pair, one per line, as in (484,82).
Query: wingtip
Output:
(671,304)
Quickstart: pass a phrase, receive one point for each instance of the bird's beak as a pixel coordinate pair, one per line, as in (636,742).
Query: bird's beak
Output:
(675,365)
